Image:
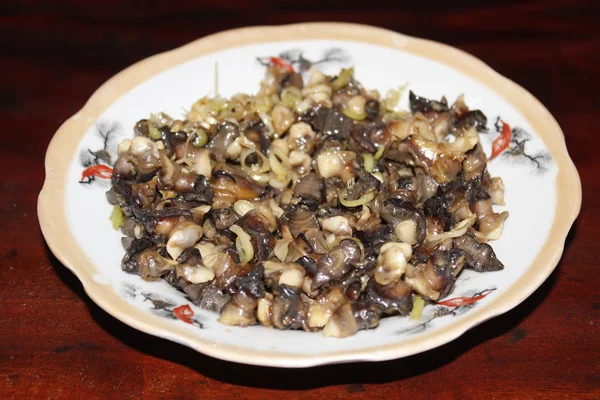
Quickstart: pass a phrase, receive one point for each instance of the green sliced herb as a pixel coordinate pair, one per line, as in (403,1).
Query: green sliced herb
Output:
(342,79)
(201,138)
(417,309)
(116,217)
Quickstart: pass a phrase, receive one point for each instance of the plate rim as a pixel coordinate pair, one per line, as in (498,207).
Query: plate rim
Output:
(60,240)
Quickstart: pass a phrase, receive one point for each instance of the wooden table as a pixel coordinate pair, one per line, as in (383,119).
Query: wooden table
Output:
(56,343)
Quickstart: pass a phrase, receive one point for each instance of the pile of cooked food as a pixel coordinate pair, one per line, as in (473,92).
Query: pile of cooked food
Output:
(313,204)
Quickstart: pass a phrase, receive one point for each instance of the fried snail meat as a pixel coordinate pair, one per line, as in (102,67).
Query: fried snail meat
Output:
(311,205)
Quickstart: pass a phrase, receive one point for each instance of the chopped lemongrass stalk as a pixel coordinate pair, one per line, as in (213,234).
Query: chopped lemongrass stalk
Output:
(278,167)
(281,249)
(417,309)
(116,217)
(369,162)
(243,243)
(262,104)
(379,176)
(242,207)
(350,113)
(393,98)
(363,200)
(290,96)
(280,183)
(261,166)
(240,250)
(379,153)
(201,138)
(153,132)
(176,126)
(343,78)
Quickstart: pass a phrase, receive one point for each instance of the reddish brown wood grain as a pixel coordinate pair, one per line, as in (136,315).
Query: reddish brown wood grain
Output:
(56,343)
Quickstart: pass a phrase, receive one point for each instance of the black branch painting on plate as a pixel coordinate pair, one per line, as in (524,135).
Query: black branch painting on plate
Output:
(518,152)
(295,58)
(98,163)
(454,306)
(163,306)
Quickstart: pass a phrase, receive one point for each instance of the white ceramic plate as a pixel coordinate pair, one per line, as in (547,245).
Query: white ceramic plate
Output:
(543,190)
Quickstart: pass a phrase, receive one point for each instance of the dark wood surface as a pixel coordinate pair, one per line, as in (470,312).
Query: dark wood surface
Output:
(56,343)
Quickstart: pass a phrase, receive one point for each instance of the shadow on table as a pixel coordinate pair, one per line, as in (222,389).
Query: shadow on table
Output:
(353,375)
